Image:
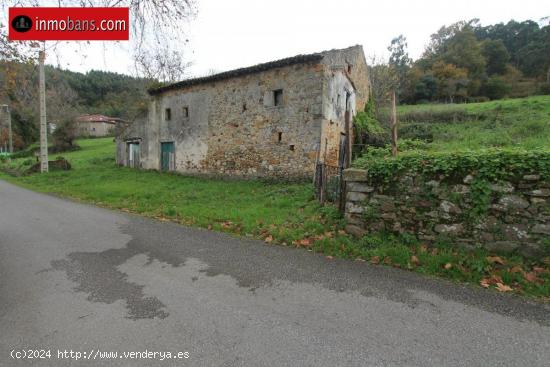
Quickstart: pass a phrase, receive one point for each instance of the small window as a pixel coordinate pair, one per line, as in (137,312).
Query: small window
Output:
(338,100)
(291,147)
(244,107)
(185,112)
(278,97)
(349,69)
(280,137)
(167,114)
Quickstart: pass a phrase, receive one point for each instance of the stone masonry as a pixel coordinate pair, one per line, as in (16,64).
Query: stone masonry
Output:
(270,120)
(517,217)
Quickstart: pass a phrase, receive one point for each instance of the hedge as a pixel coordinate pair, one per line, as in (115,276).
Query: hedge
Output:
(490,164)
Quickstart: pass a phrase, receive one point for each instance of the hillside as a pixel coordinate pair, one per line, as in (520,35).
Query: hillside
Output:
(514,123)
(68,94)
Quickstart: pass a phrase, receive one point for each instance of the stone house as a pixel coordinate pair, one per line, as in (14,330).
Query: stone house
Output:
(276,119)
(96,125)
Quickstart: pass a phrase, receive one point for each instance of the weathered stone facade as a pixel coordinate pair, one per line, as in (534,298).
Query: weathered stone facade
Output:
(275,119)
(516,218)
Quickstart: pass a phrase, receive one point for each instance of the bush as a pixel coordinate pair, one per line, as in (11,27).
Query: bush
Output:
(495,88)
(450,114)
(64,136)
(416,131)
(544,89)
(478,99)
(490,164)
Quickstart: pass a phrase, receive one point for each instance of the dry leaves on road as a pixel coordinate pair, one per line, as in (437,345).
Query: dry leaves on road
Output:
(503,288)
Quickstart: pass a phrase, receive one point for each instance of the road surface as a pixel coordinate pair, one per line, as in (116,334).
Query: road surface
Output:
(81,279)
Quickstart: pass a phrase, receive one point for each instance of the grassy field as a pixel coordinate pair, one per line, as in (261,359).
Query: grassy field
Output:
(519,123)
(279,213)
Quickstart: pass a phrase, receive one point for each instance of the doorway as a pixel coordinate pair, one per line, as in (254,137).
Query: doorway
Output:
(133,155)
(167,156)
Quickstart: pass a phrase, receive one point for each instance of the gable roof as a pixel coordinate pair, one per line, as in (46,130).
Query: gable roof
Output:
(97,118)
(299,59)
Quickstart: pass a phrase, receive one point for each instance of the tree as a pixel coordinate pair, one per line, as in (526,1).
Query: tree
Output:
(155,25)
(383,80)
(496,56)
(399,60)
(452,81)
(464,51)
(165,65)
(64,136)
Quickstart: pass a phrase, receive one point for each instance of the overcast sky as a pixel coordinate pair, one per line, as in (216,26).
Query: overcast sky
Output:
(231,34)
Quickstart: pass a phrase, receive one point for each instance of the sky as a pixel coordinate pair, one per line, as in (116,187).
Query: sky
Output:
(231,34)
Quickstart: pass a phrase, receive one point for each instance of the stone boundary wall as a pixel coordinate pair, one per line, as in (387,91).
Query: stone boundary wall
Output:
(512,217)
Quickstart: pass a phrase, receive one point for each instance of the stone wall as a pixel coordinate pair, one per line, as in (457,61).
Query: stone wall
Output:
(515,215)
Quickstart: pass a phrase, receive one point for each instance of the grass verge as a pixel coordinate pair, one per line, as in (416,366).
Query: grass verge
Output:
(279,213)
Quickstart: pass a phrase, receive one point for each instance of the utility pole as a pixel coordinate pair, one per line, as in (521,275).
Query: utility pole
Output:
(43,124)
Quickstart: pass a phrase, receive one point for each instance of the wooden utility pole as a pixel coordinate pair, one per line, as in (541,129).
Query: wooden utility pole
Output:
(43,123)
(393,126)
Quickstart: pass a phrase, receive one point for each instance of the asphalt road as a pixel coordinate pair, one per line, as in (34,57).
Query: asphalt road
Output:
(76,277)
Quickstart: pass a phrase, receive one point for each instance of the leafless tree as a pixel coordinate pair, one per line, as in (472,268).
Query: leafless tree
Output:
(155,26)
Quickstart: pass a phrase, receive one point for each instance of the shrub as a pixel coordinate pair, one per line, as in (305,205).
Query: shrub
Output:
(450,114)
(495,88)
(64,136)
(416,131)
(544,88)
(478,99)
(490,164)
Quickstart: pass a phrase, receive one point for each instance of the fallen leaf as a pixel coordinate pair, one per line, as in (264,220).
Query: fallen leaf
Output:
(360,259)
(538,269)
(329,234)
(387,260)
(415,260)
(306,242)
(269,239)
(210,227)
(515,269)
(329,257)
(434,251)
(423,248)
(342,232)
(503,288)
(495,260)
(546,260)
(448,266)
(375,260)
(496,279)
(485,283)
(227,224)
(532,278)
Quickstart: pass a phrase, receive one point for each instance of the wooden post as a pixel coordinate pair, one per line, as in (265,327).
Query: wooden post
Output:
(43,124)
(394,127)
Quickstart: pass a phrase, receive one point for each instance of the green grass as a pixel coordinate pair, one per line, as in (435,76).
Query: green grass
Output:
(279,213)
(522,123)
